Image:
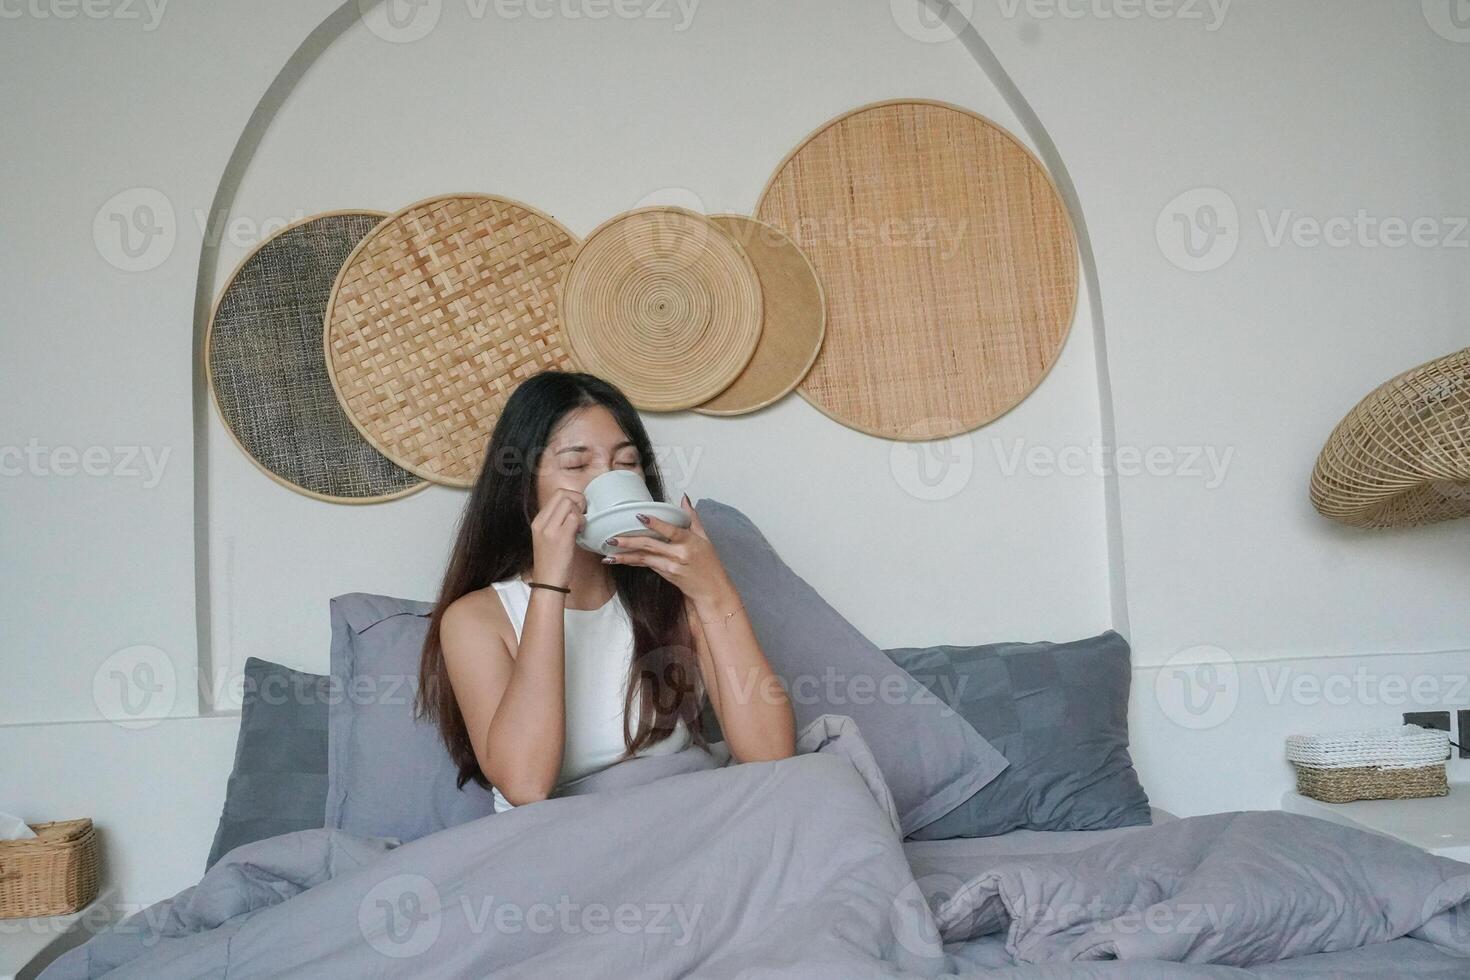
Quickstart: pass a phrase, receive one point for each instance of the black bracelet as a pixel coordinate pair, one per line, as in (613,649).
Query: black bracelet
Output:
(543,585)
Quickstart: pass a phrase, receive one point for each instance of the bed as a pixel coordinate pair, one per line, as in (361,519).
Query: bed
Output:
(797,868)
(983,820)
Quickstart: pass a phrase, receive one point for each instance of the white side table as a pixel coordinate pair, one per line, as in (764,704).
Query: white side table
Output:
(29,945)
(1438,824)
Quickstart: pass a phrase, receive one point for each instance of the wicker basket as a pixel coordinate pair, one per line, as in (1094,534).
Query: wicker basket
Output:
(1401,763)
(53,873)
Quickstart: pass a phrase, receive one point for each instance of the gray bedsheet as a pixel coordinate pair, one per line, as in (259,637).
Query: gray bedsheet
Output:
(942,867)
(1232,888)
(789,869)
(1383,961)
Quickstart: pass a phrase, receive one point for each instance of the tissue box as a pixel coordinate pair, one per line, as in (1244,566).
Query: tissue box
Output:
(53,873)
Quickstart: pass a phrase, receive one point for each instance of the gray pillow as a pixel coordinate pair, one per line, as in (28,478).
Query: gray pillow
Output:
(1059,713)
(931,757)
(388,773)
(279,781)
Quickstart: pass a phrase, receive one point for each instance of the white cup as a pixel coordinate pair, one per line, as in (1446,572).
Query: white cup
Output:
(614,501)
(612,488)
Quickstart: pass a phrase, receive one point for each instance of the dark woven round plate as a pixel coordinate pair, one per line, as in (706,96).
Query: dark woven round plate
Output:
(267,374)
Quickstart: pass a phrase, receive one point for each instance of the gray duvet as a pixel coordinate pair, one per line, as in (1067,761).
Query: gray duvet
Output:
(688,866)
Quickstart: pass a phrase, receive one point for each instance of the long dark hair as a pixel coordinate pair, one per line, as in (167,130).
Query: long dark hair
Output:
(493,543)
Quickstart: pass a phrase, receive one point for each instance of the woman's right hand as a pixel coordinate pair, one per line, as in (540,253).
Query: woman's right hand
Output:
(554,535)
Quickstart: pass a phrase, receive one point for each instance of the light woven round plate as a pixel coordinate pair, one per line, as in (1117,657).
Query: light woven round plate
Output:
(1401,457)
(795,318)
(948,260)
(263,361)
(436,318)
(665,304)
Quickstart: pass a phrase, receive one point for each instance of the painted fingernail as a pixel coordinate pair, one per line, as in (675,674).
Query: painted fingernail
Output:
(610,560)
(611,541)
(643,518)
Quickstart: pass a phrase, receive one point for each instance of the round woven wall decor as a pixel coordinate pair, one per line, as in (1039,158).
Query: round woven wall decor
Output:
(795,318)
(263,361)
(665,304)
(1401,457)
(436,318)
(948,260)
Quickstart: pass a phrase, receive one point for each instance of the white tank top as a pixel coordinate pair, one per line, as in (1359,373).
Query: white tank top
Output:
(599,647)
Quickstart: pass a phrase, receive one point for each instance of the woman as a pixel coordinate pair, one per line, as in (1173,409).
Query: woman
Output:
(533,686)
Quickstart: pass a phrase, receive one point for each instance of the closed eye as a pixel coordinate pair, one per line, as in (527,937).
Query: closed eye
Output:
(629,463)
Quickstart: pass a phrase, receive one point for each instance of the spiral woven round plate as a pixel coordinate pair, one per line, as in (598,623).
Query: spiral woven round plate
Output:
(795,318)
(263,361)
(436,318)
(665,304)
(948,260)
(1401,457)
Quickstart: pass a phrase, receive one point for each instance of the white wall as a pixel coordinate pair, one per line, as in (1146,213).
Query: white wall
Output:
(535,110)
(1319,106)
(97,358)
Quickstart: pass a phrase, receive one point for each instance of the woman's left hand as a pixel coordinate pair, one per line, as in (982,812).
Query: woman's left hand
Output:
(687,558)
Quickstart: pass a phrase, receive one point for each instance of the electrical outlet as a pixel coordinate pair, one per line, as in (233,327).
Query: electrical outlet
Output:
(1437,720)
(1464,733)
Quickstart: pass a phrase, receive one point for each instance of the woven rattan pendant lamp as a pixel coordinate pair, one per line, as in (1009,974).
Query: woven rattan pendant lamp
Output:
(1402,456)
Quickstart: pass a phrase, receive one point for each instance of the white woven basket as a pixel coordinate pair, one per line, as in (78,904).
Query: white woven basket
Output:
(1403,747)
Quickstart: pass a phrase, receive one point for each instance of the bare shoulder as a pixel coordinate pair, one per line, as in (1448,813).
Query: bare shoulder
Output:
(475,620)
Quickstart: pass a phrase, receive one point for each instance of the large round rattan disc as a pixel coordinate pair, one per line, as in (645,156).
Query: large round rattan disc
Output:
(948,260)
(436,318)
(665,304)
(263,359)
(1401,457)
(795,318)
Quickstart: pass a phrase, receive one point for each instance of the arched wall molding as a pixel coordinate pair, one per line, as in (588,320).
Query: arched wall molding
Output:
(350,13)
(306,54)
(1046,148)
